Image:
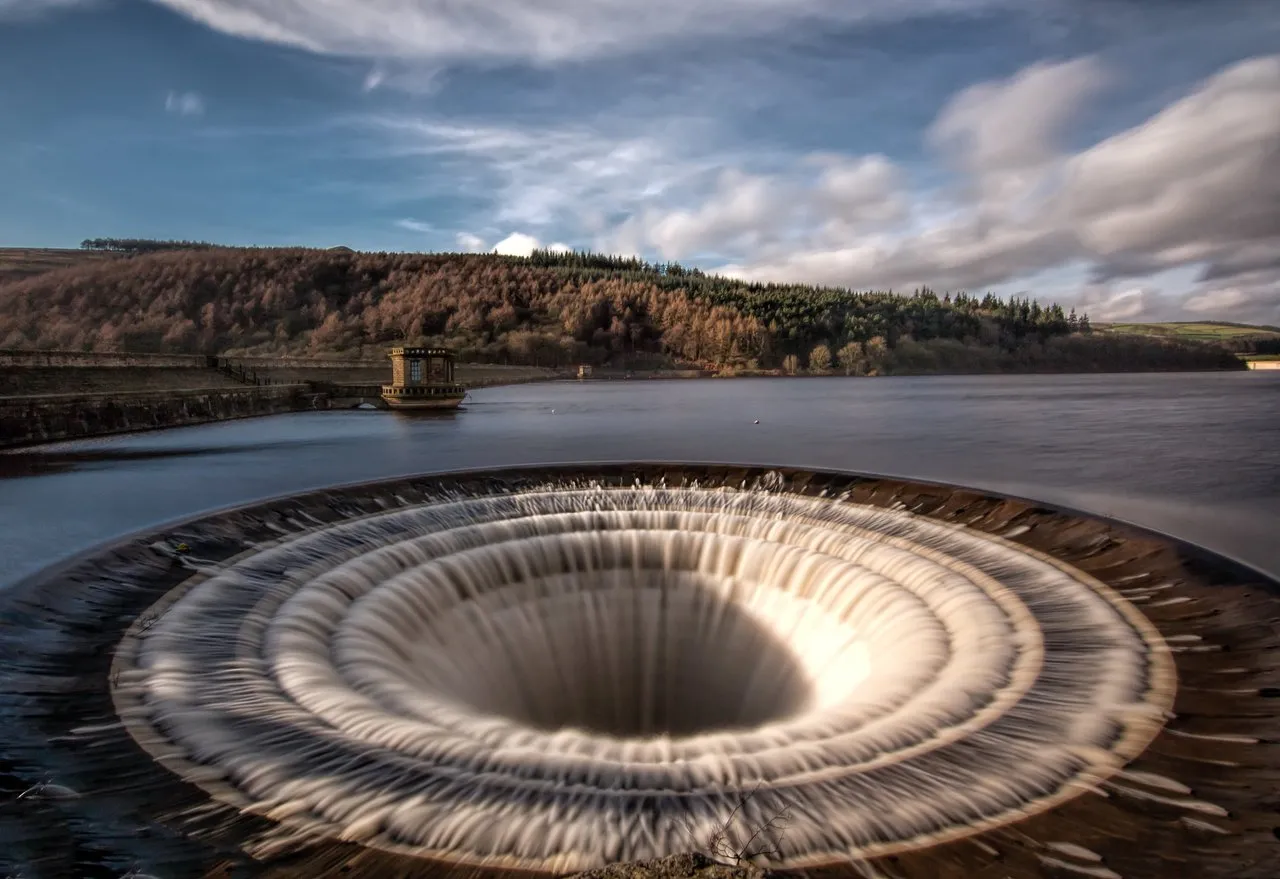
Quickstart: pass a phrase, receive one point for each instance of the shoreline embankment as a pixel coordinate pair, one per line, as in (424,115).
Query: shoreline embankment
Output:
(35,420)
(54,396)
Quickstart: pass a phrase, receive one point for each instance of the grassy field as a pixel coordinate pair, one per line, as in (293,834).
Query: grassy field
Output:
(1204,331)
(17,263)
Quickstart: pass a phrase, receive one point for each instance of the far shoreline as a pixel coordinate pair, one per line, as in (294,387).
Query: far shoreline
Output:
(709,374)
(285,400)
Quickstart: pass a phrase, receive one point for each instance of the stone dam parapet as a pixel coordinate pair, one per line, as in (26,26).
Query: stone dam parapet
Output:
(51,418)
(49,396)
(100,360)
(111,360)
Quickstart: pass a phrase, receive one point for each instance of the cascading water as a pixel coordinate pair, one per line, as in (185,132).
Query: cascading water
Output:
(507,680)
(554,669)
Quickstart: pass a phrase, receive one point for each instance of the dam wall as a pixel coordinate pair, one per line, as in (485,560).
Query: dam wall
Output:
(378,373)
(47,396)
(100,360)
(474,375)
(32,373)
(80,372)
(51,418)
(115,359)
(41,372)
(29,381)
(607,374)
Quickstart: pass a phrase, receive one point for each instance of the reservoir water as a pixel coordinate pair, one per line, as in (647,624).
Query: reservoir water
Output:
(1192,455)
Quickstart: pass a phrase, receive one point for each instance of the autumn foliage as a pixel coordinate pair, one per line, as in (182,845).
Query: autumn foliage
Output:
(548,310)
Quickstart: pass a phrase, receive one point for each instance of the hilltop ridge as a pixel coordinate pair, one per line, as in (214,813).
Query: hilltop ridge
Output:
(550,309)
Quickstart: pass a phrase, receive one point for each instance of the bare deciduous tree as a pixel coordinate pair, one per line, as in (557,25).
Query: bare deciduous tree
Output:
(762,841)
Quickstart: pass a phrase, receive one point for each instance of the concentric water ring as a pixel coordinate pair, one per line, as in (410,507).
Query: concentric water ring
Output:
(860,667)
(549,673)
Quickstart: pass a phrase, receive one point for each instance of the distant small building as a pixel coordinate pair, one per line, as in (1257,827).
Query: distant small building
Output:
(584,371)
(422,378)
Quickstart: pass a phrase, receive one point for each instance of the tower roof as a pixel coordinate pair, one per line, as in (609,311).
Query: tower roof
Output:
(420,352)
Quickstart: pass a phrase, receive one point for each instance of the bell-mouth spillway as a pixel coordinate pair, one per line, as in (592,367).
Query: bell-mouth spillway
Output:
(549,669)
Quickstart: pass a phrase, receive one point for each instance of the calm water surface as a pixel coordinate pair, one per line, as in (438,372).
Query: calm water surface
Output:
(1194,455)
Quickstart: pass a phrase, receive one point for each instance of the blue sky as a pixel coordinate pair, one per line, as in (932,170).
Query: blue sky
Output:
(1123,155)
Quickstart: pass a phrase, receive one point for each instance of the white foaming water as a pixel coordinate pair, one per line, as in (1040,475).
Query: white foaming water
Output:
(562,678)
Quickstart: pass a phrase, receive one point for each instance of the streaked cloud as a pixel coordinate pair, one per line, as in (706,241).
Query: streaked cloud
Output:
(1126,304)
(572,175)
(545,31)
(1103,152)
(412,225)
(1197,183)
(374,78)
(468,243)
(1193,186)
(184,103)
(1003,134)
(1186,188)
(16,10)
(411,78)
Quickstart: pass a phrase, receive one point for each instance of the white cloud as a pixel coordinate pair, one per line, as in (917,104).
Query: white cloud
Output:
(1015,124)
(549,177)
(374,78)
(854,195)
(1103,304)
(855,223)
(520,244)
(532,30)
(184,103)
(1254,298)
(743,211)
(1004,136)
(469,243)
(516,244)
(831,197)
(415,225)
(1188,190)
(1216,300)
(1197,183)
(1194,186)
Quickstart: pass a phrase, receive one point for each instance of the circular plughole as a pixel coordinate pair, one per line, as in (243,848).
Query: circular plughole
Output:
(503,680)
(553,673)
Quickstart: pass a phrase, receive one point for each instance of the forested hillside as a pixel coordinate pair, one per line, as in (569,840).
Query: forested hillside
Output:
(549,309)
(18,263)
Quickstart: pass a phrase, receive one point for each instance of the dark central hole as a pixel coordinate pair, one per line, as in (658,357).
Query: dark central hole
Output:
(638,663)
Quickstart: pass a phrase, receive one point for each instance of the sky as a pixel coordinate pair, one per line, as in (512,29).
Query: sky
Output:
(1121,156)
